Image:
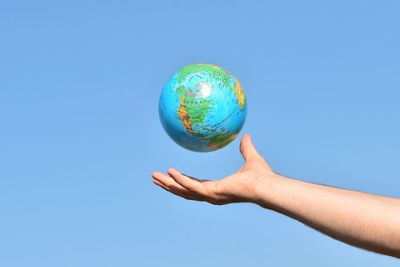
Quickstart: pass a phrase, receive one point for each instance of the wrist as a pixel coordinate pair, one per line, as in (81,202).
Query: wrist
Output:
(268,188)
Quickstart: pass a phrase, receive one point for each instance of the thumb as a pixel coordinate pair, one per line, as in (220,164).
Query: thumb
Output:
(248,150)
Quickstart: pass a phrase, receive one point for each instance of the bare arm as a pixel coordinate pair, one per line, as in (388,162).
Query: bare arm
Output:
(359,219)
(364,220)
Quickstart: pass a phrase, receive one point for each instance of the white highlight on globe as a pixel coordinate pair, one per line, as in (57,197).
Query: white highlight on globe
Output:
(205,89)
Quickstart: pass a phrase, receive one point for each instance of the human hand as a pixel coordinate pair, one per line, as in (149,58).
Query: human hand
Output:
(238,187)
(368,221)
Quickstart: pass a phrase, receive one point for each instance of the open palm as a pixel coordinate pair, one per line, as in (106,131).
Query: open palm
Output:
(238,187)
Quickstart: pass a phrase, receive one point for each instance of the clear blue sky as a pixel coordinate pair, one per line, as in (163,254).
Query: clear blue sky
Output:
(80,133)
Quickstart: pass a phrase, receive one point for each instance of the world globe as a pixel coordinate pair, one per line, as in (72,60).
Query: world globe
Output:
(202,107)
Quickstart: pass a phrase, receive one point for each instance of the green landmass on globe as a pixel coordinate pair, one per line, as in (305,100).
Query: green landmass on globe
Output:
(202,107)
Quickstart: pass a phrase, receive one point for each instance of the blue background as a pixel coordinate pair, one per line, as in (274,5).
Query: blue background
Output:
(80,133)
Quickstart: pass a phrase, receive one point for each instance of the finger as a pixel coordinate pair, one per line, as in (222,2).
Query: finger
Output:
(170,184)
(247,149)
(190,184)
(160,184)
(194,178)
(178,191)
(165,180)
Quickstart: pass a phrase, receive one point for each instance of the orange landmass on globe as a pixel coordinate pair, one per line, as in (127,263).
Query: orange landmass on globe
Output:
(184,116)
(240,94)
(221,139)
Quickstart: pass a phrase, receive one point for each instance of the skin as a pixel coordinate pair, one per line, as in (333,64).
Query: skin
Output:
(367,221)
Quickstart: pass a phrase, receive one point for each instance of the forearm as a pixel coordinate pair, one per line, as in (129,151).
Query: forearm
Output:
(364,220)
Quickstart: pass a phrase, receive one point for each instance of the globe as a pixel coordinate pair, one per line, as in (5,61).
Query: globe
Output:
(202,107)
